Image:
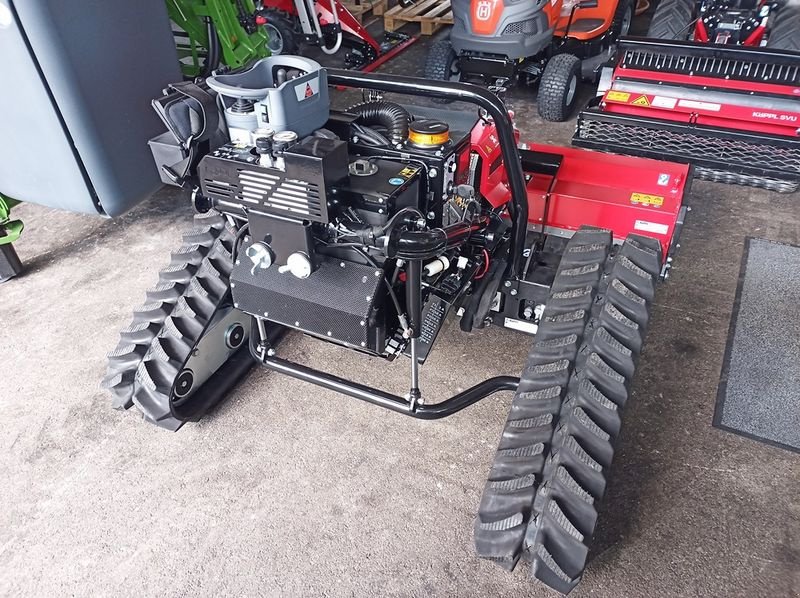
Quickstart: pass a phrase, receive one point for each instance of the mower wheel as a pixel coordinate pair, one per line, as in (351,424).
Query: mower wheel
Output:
(785,35)
(558,87)
(280,32)
(672,19)
(442,64)
(623,18)
(149,318)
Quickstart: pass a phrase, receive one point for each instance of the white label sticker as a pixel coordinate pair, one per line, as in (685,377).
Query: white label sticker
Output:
(306,89)
(521,325)
(651,227)
(662,102)
(699,105)
(663,179)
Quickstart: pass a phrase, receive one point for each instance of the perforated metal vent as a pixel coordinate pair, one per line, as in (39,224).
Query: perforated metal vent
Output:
(708,65)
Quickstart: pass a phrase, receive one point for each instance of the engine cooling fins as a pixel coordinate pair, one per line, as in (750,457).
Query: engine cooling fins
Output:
(193,291)
(551,467)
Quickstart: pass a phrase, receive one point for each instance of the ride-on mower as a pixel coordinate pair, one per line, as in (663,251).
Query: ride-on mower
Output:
(367,228)
(556,43)
(705,92)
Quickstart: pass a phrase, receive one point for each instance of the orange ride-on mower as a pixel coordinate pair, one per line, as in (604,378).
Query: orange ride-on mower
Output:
(555,43)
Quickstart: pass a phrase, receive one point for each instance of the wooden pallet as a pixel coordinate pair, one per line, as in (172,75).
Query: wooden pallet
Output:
(363,8)
(430,14)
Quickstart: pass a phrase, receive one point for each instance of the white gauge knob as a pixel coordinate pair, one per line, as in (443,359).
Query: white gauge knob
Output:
(298,265)
(261,256)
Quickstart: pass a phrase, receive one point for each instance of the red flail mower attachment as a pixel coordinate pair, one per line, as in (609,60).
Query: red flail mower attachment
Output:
(732,111)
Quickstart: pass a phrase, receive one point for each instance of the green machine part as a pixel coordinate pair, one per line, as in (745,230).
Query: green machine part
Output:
(212,30)
(10,230)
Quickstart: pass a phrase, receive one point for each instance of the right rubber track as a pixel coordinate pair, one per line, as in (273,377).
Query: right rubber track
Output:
(551,467)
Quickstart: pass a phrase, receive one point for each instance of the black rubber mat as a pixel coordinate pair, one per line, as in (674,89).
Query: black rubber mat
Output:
(759,390)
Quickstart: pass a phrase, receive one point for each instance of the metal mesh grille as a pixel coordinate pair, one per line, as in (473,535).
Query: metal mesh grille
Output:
(711,66)
(521,27)
(692,146)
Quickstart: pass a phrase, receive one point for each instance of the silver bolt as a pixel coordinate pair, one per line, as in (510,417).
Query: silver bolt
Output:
(363,279)
(363,323)
(369,297)
(430,215)
(238,262)
(330,333)
(341,264)
(363,344)
(297,323)
(233,285)
(513,292)
(380,210)
(266,313)
(377,272)
(247,239)
(508,283)
(271,352)
(236,305)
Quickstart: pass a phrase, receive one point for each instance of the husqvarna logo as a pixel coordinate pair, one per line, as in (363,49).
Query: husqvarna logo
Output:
(484,10)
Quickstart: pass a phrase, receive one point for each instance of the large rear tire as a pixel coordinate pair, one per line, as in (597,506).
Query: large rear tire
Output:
(672,20)
(558,87)
(442,64)
(785,35)
(623,19)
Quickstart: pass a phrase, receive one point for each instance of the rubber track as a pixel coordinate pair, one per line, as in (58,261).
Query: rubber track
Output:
(148,318)
(169,351)
(672,20)
(553,87)
(577,463)
(785,34)
(519,463)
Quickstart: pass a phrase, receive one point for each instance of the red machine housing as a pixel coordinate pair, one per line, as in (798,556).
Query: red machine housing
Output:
(570,187)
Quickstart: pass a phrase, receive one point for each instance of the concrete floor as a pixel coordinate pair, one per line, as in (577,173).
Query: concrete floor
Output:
(289,490)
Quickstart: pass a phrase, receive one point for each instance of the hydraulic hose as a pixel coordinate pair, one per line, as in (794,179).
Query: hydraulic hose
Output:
(393,117)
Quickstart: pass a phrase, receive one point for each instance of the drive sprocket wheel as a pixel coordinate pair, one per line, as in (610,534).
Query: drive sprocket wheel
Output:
(551,467)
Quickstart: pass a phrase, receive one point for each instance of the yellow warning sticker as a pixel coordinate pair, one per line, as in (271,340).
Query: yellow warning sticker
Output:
(407,172)
(618,96)
(641,101)
(647,200)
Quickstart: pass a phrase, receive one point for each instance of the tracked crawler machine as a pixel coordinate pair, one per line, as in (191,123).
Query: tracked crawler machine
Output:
(367,228)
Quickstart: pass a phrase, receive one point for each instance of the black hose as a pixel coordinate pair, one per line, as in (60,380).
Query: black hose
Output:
(213,51)
(393,117)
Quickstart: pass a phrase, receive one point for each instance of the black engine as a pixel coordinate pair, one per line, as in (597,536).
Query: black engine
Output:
(352,227)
